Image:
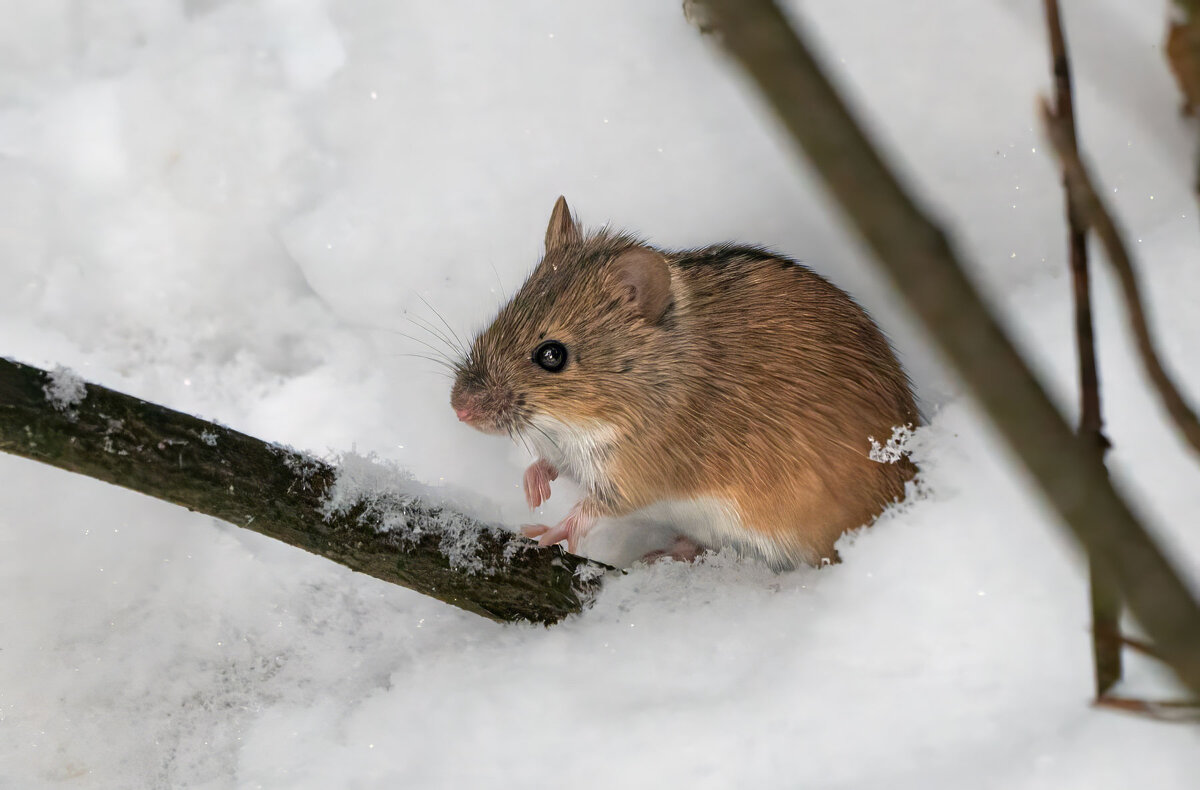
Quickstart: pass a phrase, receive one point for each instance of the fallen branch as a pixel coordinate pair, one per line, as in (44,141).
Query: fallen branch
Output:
(282,494)
(916,255)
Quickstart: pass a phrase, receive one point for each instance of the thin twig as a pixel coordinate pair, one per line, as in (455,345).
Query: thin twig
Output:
(1091,422)
(928,275)
(1105,601)
(1138,646)
(1093,211)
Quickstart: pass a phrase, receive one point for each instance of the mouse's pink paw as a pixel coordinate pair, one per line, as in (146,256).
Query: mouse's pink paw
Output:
(683,549)
(571,529)
(537,482)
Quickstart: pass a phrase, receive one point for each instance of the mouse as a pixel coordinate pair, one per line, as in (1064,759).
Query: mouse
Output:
(727,392)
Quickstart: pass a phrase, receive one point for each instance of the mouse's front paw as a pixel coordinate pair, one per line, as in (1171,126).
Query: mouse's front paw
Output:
(537,482)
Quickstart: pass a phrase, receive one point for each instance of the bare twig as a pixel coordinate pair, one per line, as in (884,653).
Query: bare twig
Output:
(1090,420)
(280,493)
(925,271)
(1138,646)
(1105,600)
(1093,211)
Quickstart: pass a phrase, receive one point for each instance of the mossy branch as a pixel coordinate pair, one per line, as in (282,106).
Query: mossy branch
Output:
(282,494)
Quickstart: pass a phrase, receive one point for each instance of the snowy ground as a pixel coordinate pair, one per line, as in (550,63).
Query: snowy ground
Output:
(235,208)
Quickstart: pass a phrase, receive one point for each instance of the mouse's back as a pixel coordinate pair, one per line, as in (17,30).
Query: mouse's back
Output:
(787,382)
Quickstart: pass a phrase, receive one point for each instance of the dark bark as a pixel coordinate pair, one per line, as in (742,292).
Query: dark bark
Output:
(281,493)
(1105,599)
(913,251)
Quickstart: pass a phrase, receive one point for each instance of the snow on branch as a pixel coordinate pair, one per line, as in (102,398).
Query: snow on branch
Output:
(389,529)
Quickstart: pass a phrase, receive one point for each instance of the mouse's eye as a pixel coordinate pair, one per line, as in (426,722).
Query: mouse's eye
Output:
(551,355)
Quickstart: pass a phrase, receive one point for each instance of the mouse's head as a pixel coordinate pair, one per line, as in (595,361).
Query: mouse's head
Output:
(580,345)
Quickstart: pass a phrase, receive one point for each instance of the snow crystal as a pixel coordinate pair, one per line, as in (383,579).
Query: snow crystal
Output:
(588,572)
(896,447)
(66,389)
(389,495)
(301,464)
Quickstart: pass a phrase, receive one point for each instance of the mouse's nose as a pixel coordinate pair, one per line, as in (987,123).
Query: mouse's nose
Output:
(484,411)
(465,404)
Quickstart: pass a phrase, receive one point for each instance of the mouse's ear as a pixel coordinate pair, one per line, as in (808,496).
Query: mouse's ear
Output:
(645,281)
(562,228)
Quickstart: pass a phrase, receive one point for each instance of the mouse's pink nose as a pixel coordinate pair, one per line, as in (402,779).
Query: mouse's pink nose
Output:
(481,410)
(465,404)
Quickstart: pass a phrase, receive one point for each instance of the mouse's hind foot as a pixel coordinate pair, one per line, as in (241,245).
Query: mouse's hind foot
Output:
(683,549)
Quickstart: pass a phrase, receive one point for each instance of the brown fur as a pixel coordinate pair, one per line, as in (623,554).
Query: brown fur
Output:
(750,378)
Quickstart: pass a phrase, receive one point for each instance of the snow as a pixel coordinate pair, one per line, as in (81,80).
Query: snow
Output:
(395,503)
(249,210)
(895,448)
(66,389)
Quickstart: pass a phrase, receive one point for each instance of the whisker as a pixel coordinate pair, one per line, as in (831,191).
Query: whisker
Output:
(542,431)
(525,441)
(445,323)
(390,330)
(514,436)
(442,371)
(427,358)
(499,282)
(423,324)
(439,352)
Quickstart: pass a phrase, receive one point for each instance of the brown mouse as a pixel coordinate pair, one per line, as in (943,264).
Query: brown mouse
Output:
(727,392)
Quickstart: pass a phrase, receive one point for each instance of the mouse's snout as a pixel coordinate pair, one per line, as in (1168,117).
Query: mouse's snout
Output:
(484,407)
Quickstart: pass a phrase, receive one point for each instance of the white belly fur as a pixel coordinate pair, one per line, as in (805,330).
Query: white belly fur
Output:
(579,451)
(714,523)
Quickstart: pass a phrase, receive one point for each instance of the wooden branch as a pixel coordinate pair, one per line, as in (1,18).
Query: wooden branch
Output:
(1093,211)
(280,493)
(915,254)
(1105,600)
